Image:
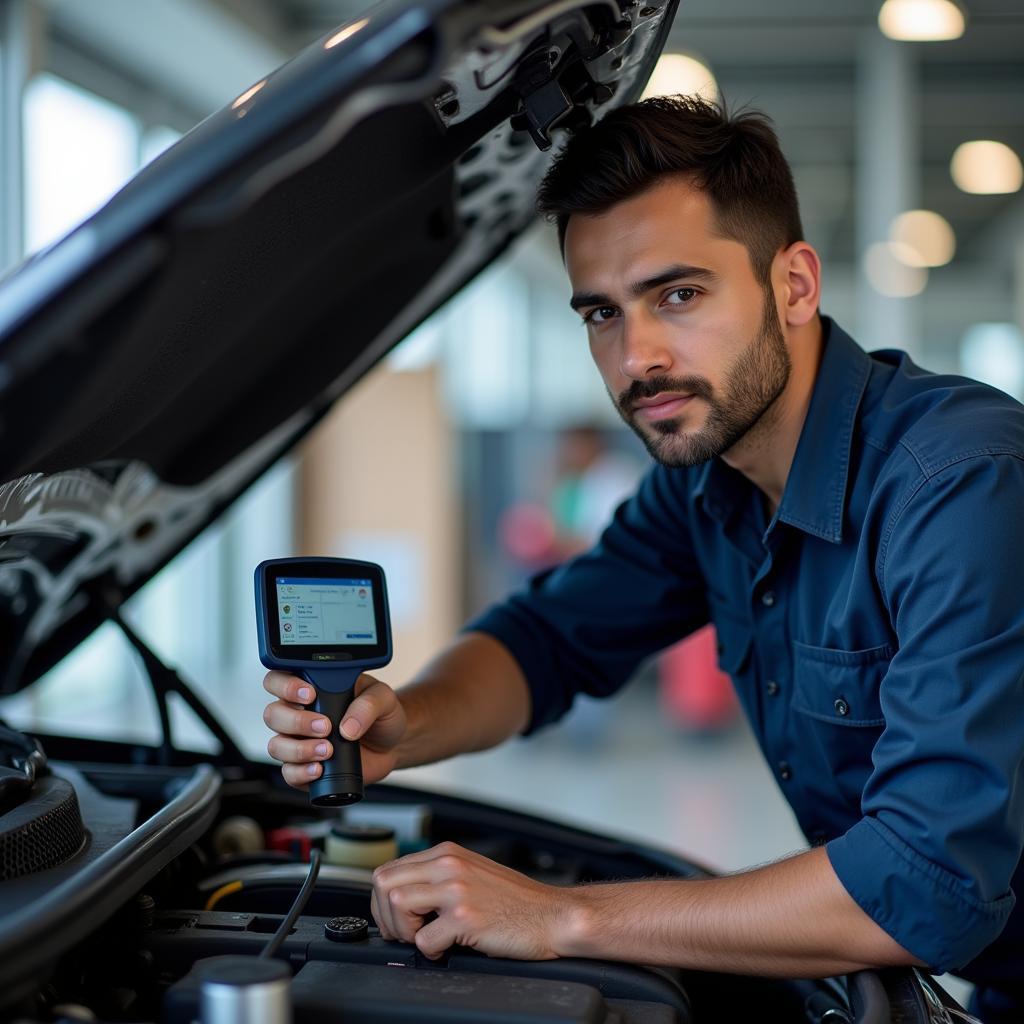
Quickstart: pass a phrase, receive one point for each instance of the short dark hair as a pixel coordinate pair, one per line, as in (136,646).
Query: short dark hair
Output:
(735,159)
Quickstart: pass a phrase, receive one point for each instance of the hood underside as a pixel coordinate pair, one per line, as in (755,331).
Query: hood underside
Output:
(164,354)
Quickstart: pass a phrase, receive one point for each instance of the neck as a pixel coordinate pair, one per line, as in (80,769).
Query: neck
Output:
(765,453)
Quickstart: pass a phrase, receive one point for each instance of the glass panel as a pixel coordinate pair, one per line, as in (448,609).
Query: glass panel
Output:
(79,150)
(154,141)
(97,691)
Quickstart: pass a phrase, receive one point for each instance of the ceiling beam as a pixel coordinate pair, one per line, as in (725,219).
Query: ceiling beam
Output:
(193,49)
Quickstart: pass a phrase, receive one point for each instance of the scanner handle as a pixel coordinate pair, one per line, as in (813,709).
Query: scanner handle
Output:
(341,781)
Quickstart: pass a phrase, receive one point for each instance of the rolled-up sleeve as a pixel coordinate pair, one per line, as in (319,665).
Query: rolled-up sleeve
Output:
(585,626)
(943,809)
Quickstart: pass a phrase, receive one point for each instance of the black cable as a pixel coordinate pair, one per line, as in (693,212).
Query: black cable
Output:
(271,948)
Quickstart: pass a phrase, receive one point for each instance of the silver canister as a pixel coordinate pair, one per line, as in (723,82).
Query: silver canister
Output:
(244,990)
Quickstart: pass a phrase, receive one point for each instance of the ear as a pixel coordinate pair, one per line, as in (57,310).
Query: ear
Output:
(798,283)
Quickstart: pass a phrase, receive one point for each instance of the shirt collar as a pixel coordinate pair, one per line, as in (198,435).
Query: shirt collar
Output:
(815,493)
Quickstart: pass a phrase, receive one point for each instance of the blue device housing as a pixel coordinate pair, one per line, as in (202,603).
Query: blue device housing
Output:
(332,668)
(335,659)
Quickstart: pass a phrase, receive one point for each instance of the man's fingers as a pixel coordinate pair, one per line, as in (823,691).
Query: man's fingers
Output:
(290,721)
(434,938)
(380,907)
(365,681)
(390,881)
(405,871)
(374,700)
(300,775)
(379,917)
(288,687)
(298,729)
(293,751)
(405,891)
(448,851)
(409,906)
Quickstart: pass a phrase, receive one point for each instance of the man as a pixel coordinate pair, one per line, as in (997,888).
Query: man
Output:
(850,523)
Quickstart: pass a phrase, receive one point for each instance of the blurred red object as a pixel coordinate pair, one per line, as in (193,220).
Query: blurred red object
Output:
(695,692)
(527,533)
(289,840)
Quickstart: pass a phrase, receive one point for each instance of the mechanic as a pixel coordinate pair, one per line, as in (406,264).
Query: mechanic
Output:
(850,524)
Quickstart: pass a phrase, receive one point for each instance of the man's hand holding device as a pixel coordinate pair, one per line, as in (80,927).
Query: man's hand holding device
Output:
(321,622)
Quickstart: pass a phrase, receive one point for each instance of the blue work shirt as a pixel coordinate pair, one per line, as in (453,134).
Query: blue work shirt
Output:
(874,630)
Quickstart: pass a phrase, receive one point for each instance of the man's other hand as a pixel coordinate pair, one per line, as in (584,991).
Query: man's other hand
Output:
(302,737)
(478,903)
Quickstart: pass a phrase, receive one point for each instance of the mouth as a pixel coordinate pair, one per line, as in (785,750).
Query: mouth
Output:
(661,406)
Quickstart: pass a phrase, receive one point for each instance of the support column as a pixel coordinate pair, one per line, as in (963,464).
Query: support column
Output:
(1018,284)
(15,61)
(887,180)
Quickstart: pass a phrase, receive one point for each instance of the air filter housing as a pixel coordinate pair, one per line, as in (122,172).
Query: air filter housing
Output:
(43,831)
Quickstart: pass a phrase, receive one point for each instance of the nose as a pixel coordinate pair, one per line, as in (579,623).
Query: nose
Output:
(645,349)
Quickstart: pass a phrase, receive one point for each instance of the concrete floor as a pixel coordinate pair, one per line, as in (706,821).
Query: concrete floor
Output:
(622,768)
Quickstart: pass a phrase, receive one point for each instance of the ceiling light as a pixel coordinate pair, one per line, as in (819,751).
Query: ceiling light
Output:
(986,168)
(346,33)
(887,269)
(248,94)
(677,73)
(921,21)
(923,238)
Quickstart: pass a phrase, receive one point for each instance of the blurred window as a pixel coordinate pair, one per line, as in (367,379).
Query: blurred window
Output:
(79,150)
(154,141)
(994,353)
(487,361)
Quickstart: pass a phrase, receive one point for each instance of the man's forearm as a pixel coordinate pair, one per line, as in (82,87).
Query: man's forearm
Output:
(471,697)
(789,919)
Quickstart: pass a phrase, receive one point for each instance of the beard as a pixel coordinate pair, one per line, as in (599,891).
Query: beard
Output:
(751,386)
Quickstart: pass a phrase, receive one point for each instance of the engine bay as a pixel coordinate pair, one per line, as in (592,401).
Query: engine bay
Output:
(171,865)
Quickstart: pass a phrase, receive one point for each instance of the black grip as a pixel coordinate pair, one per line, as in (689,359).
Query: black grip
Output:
(342,780)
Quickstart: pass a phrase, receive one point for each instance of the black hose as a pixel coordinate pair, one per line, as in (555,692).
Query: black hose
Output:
(297,907)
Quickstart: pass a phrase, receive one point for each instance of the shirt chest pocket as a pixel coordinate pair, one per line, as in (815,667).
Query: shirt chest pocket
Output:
(840,687)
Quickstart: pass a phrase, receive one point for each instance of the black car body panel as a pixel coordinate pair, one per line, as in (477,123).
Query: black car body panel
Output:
(171,348)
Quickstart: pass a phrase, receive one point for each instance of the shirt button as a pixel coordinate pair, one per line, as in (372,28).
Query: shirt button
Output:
(842,708)
(785,772)
(772,688)
(768,598)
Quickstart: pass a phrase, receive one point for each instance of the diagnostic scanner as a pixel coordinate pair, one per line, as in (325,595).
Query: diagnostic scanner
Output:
(325,620)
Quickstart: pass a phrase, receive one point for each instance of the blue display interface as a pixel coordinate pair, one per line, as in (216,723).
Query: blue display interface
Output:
(322,612)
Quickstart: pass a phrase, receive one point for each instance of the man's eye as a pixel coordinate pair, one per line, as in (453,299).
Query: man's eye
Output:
(682,296)
(599,315)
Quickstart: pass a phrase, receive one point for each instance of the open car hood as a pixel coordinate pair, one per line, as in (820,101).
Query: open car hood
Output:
(164,354)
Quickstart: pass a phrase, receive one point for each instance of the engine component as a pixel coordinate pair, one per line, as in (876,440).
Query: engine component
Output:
(237,835)
(243,990)
(42,832)
(360,846)
(347,929)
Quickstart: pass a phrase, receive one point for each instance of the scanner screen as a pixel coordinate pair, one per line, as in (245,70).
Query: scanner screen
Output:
(322,612)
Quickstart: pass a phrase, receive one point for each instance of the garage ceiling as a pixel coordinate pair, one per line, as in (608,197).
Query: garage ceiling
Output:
(795,59)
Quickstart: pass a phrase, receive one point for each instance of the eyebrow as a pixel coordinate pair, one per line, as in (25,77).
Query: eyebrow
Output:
(638,288)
